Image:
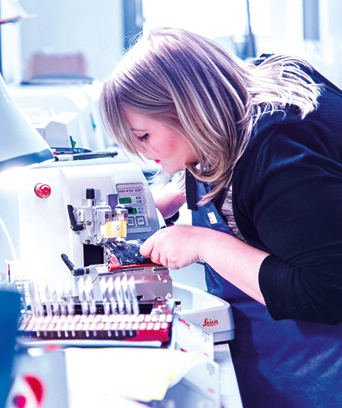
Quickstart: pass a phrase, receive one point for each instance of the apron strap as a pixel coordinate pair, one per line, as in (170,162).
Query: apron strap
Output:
(191,191)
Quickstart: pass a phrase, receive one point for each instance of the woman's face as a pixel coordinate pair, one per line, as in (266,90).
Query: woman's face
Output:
(157,142)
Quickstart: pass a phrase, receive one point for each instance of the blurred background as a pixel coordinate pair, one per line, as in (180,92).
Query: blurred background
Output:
(90,37)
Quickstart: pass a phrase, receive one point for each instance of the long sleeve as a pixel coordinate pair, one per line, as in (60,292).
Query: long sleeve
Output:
(287,200)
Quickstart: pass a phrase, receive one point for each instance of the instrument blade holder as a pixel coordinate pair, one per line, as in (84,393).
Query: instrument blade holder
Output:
(54,318)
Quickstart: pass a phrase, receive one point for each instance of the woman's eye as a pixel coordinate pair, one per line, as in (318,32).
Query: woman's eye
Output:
(141,138)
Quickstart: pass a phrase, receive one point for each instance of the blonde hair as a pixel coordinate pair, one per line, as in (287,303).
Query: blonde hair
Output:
(192,85)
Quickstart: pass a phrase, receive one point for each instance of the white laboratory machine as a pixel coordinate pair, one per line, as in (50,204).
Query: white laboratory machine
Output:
(64,218)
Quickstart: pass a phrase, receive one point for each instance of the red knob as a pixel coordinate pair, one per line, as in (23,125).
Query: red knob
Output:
(42,190)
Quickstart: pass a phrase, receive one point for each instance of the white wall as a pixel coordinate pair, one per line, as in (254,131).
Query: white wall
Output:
(277,26)
(95,28)
(65,26)
(10,42)
(329,51)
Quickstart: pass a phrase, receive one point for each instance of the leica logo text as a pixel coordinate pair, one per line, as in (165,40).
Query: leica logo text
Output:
(209,322)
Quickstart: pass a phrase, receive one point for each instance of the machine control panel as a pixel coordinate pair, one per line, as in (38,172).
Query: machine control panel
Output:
(132,197)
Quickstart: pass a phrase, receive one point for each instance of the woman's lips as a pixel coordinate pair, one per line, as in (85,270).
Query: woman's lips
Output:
(157,161)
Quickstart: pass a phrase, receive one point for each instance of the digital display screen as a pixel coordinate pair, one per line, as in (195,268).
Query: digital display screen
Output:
(132,211)
(125,200)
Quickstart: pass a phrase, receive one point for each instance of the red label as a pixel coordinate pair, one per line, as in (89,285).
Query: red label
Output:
(184,322)
(209,322)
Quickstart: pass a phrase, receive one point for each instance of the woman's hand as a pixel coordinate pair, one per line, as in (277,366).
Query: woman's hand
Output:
(181,245)
(174,247)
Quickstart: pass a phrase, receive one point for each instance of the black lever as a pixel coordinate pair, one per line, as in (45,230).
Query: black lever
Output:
(75,271)
(93,155)
(74,225)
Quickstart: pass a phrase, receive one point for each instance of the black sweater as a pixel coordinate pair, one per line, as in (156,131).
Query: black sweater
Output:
(287,200)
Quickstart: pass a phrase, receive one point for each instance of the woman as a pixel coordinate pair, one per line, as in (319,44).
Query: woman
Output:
(261,147)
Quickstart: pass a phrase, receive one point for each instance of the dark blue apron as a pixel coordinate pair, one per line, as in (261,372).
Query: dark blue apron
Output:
(278,364)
